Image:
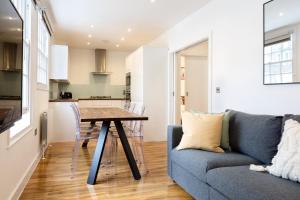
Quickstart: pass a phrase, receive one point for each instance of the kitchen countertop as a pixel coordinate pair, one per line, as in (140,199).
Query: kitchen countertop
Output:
(88,99)
(84,99)
(63,100)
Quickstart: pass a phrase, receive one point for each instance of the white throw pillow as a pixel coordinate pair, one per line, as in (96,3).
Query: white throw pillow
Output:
(286,163)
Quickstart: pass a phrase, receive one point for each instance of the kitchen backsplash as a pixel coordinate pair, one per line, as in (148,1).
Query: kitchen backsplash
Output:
(85,91)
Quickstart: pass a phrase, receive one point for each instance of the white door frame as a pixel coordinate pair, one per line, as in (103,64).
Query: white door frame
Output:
(172,73)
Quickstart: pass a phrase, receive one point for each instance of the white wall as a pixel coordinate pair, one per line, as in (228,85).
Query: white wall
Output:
(148,67)
(236,29)
(82,63)
(155,93)
(18,160)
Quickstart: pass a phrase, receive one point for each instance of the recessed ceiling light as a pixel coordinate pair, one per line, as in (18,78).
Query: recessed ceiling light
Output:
(117,45)
(129,30)
(18,29)
(152,1)
(10,18)
(122,39)
(88,43)
(281,14)
(92,26)
(90,35)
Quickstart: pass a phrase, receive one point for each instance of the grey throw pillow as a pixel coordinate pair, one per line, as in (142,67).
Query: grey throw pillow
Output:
(255,135)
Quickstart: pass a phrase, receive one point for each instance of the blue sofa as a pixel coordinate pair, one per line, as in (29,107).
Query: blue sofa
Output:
(220,176)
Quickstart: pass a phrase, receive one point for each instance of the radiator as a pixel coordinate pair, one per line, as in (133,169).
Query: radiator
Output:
(44,131)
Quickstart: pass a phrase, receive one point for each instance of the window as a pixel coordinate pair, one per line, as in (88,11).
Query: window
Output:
(43,46)
(279,61)
(24,8)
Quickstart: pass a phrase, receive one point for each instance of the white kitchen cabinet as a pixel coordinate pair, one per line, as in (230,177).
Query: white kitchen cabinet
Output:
(61,119)
(61,122)
(59,62)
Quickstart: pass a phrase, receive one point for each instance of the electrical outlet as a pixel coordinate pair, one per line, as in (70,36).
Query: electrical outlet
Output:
(35,131)
(218,90)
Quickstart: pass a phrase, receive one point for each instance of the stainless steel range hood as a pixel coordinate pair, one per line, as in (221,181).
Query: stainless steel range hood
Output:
(100,62)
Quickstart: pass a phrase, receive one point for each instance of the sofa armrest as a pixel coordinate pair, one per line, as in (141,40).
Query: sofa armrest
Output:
(174,136)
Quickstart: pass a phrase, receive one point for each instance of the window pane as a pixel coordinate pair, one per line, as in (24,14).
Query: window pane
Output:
(267,49)
(43,44)
(287,55)
(276,57)
(275,79)
(25,92)
(267,58)
(267,79)
(287,45)
(276,47)
(275,69)
(267,69)
(287,78)
(286,67)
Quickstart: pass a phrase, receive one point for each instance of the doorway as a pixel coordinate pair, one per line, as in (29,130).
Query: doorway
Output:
(192,79)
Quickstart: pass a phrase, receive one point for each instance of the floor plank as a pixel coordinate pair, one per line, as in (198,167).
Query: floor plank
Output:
(54,179)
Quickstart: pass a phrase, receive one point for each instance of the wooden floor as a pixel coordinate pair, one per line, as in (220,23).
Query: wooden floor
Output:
(54,179)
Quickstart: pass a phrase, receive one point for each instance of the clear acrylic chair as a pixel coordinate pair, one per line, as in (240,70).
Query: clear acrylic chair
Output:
(136,136)
(134,133)
(84,134)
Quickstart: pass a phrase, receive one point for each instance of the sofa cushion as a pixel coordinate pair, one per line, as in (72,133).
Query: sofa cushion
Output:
(255,135)
(241,183)
(199,162)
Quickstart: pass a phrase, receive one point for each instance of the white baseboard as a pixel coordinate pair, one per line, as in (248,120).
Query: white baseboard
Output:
(25,179)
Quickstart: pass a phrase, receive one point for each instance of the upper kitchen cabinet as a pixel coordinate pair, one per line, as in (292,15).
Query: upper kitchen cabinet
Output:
(59,63)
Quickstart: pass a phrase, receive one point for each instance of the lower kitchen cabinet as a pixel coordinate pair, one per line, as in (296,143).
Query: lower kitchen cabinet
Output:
(61,119)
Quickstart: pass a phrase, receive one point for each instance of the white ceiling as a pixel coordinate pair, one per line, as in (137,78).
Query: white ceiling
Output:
(111,19)
(279,13)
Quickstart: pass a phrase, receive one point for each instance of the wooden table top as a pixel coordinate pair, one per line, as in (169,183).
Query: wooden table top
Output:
(108,114)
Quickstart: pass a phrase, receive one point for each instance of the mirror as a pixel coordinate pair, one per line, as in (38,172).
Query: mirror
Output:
(282,42)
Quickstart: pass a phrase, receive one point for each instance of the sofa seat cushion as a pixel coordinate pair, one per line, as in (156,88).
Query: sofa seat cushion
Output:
(241,183)
(198,162)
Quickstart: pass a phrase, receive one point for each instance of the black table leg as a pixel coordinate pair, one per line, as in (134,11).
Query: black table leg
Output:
(130,158)
(98,153)
(85,142)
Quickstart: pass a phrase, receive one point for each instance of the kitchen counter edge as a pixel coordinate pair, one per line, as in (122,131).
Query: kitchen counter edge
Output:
(85,99)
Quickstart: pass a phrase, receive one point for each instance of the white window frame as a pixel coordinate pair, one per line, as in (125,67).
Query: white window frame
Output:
(23,126)
(42,54)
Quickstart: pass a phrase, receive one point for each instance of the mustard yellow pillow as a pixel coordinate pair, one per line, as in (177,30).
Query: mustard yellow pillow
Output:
(201,131)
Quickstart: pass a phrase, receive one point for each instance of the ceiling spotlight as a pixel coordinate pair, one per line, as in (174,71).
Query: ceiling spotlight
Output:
(10,18)
(88,43)
(122,39)
(92,26)
(117,45)
(152,1)
(18,29)
(129,30)
(90,35)
(281,14)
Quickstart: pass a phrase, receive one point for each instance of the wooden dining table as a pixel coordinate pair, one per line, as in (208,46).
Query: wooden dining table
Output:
(107,115)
